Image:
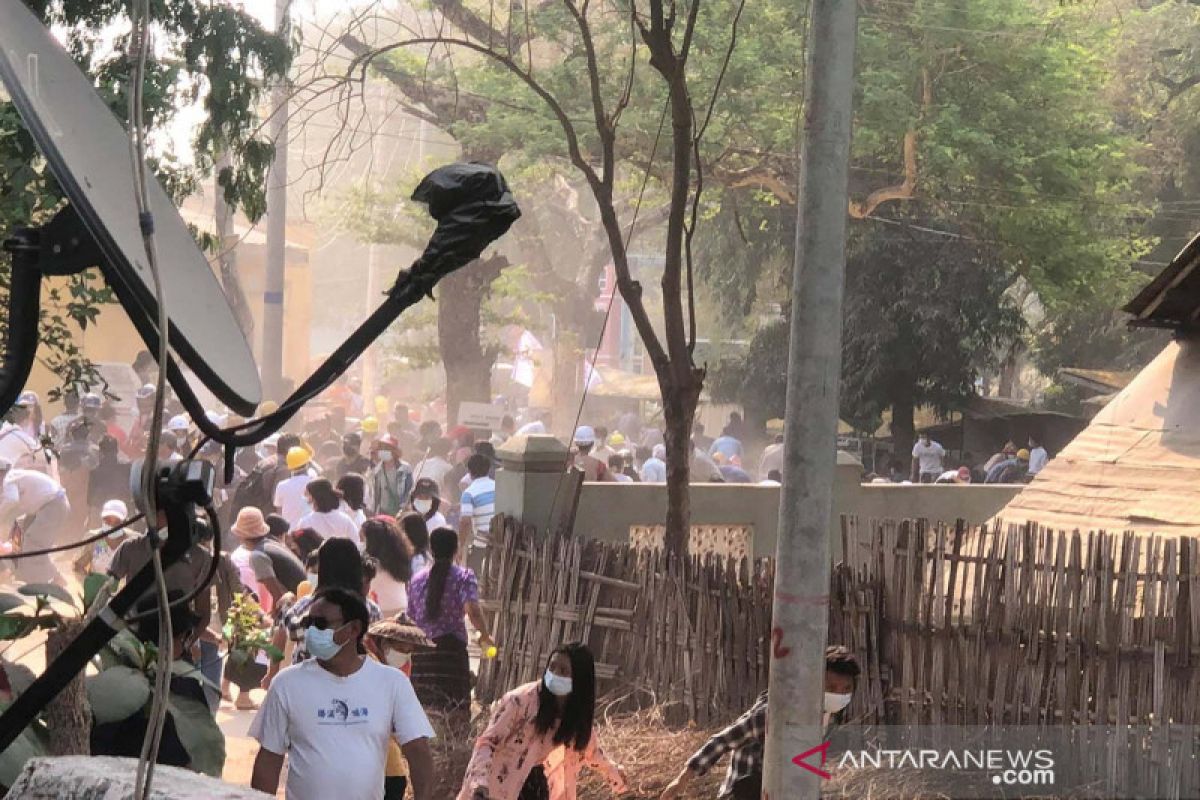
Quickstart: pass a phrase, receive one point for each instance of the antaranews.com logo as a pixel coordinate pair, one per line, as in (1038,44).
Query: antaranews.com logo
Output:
(1003,767)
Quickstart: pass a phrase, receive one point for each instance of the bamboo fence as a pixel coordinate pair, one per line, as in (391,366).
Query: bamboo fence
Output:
(953,625)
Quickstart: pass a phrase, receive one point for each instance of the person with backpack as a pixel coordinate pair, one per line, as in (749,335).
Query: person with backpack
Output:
(258,487)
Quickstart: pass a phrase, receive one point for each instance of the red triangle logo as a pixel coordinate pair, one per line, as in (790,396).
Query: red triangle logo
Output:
(802,760)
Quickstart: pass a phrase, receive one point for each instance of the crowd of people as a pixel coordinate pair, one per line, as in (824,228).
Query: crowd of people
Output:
(358,541)
(930,464)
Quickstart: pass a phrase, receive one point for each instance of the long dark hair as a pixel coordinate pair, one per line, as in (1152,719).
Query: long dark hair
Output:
(575,724)
(385,542)
(339,564)
(324,497)
(444,544)
(354,490)
(416,531)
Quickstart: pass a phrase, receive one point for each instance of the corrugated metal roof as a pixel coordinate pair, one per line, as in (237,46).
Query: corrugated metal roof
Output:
(1098,380)
(1171,300)
(1136,466)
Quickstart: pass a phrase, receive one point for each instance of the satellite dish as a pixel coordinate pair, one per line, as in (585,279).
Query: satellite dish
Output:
(88,151)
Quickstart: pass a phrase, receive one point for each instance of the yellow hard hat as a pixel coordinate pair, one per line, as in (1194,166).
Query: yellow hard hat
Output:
(370,425)
(381,404)
(616,439)
(298,457)
(1022,454)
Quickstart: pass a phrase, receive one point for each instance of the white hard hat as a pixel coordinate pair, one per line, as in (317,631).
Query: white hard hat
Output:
(178,423)
(585,435)
(114,508)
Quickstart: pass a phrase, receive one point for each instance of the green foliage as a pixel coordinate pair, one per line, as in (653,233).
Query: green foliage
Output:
(32,743)
(210,53)
(924,316)
(245,630)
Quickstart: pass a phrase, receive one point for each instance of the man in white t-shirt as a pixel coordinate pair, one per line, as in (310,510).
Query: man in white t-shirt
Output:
(1038,457)
(927,460)
(41,503)
(333,715)
(289,493)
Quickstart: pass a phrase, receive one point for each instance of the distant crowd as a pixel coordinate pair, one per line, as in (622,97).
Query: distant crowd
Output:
(930,464)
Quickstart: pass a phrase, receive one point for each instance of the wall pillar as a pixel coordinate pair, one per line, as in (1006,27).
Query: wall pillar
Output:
(532,471)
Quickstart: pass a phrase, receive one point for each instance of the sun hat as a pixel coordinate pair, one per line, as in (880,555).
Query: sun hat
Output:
(401,629)
(250,524)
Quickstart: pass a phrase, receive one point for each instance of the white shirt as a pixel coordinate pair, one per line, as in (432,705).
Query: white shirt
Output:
(357,517)
(390,594)
(331,525)
(435,521)
(929,457)
(289,498)
(432,467)
(335,731)
(26,491)
(654,470)
(19,448)
(1037,460)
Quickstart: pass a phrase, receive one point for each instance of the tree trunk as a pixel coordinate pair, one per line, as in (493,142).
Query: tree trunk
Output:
(227,259)
(468,365)
(679,412)
(68,717)
(903,431)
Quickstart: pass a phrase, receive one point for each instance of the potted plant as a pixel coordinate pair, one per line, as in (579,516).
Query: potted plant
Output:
(247,637)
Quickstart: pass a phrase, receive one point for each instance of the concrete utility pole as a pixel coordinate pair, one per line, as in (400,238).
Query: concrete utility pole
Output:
(272,341)
(800,618)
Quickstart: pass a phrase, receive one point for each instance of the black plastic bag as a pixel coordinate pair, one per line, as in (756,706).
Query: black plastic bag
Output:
(473,207)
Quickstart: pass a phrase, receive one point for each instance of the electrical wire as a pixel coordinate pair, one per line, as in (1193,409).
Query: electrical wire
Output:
(140,39)
(206,581)
(81,543)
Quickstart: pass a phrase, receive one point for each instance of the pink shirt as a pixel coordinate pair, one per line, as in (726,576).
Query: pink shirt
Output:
(511,747)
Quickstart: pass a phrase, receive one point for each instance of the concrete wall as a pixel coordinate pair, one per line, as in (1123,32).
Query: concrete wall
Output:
(607,510)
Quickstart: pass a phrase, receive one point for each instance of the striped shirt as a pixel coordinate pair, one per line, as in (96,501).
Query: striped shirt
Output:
(479,503)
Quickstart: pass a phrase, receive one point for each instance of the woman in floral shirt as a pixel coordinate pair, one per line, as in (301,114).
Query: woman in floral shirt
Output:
(540,735)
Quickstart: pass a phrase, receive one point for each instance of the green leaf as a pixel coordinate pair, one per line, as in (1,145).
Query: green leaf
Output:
(30,744)
(91,588)
(14,626)
(117,693)
(199,734)
(51,590)
(187,670)
(273,652)
(10,602)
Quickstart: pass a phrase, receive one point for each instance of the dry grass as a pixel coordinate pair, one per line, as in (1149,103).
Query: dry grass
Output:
(652,753)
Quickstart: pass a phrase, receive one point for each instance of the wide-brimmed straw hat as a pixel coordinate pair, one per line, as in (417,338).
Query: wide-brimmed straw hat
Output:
(401,629)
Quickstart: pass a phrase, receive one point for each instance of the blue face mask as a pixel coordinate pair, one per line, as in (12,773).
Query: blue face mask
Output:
(557,684)
(320,643)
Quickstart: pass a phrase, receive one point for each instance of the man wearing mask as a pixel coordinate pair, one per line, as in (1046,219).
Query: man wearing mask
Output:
(927,458)
(391,479)
(59,425)
(746,737)
(334,714)
(352,459)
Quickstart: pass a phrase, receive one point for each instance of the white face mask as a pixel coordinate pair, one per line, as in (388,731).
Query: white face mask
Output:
(385,456)
(312,579)
(423,505)
(396,659)
(836,702)
(557,684)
